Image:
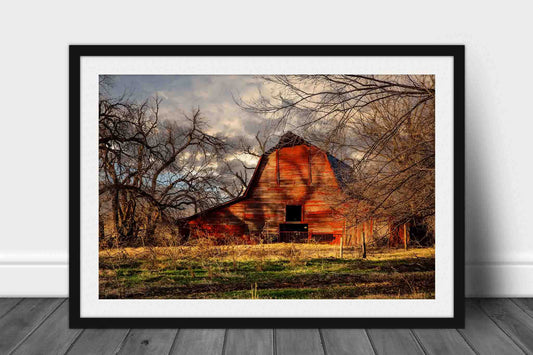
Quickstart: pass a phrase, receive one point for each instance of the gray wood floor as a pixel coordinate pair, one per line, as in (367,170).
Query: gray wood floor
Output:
(40,326)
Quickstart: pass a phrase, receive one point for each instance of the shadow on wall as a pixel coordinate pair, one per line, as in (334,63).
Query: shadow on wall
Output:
(480,216)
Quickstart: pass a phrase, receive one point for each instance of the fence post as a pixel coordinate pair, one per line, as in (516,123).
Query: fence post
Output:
(341,245)
(364,245)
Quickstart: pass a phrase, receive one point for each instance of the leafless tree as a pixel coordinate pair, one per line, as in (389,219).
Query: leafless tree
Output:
(151,169)
(382,125)
(246,152)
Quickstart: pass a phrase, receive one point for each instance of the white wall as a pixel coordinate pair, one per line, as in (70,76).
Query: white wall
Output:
(34,119)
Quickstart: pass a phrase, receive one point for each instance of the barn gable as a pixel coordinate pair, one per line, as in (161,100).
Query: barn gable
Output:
(294,189)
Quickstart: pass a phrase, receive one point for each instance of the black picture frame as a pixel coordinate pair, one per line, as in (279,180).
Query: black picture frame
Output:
(76,52)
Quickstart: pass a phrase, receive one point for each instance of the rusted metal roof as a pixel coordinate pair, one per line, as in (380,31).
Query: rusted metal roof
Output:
(289,139)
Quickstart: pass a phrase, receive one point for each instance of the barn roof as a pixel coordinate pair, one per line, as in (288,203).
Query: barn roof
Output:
(289,139)
(342,171)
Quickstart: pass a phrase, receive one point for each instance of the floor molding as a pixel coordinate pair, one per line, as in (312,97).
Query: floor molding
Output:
(499,279)
(34,280)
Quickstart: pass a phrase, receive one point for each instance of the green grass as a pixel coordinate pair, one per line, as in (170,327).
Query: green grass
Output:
(396,275)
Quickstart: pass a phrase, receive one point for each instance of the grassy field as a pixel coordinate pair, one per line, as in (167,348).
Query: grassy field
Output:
(266,271)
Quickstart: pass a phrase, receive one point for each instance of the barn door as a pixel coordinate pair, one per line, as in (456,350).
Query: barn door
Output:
(293,232)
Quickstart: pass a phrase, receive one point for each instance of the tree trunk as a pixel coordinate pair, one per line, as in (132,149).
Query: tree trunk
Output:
(405,236)
(364,246)
(364,242)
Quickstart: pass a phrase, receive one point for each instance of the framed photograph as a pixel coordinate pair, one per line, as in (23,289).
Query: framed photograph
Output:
(266,186)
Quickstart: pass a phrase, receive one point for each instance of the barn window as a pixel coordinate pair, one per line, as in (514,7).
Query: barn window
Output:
(294,213)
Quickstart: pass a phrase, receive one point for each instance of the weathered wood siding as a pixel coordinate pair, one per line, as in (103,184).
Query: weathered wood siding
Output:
(298,175)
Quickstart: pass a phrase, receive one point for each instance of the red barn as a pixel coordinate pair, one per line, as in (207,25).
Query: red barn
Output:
(291,196)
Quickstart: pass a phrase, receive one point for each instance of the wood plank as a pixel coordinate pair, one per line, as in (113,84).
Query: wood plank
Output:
(492,327)
(199,341)
(6,304)
(249,341)
(484,335)
(346,341)
(442,341)
(298,342)
(98,341)
(23,319)
(526,304)
(512,320)
(394,341)
(148,341)
(53,336)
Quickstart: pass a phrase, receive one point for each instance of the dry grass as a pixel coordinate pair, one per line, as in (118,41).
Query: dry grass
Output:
(265,271)
(277,251)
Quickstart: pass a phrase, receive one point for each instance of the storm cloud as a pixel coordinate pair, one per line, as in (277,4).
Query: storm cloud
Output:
(213,94)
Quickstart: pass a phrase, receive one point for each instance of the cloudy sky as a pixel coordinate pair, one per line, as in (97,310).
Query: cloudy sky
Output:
(212,93)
